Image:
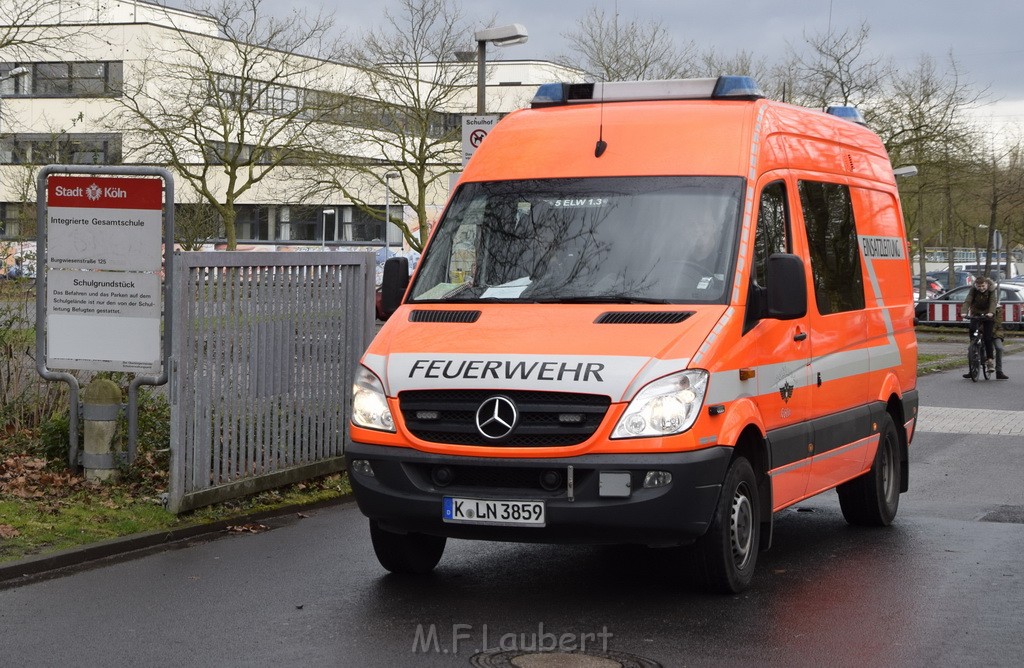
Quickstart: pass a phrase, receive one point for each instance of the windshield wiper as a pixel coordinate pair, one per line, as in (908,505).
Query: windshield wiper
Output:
(602,299)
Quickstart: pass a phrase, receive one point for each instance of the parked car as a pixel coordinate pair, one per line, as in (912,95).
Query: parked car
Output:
(934,288)
(995,268)
(960,278)
(945,309)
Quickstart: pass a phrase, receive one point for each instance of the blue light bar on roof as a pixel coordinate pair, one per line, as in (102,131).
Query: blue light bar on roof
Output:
(724,87)
(849,113)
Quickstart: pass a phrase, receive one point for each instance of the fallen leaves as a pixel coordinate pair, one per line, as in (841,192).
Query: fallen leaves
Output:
(250,527)
(27,477)
(7,531)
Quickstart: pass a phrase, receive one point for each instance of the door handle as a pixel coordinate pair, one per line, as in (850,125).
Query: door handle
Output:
(800,337)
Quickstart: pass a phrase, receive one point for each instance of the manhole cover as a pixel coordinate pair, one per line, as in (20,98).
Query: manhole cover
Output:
(533,659)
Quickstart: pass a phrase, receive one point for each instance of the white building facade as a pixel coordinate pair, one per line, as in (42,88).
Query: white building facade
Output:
(60,107)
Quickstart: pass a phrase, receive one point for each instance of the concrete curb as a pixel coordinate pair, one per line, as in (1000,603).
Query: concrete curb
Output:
(74,559)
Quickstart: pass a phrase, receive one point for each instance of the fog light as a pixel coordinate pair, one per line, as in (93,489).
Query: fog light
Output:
(551,480)
(362,467)
(442,475)
(657,479)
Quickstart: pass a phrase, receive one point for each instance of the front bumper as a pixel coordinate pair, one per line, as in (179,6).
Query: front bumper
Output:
(402,496)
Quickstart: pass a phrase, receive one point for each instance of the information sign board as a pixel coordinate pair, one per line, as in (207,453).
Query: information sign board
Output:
(103,258)
(109,223)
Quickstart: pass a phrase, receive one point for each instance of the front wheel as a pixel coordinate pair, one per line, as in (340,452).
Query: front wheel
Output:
(728,551)
(873,498)
(973,361)
(415,553)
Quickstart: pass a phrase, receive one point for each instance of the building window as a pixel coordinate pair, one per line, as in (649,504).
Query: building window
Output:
(73,149)
(75,79)
(252,222)
(17,220)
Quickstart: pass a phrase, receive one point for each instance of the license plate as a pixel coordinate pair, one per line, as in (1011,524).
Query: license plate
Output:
(490,511)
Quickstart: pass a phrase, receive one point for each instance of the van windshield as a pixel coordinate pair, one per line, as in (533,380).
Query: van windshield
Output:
(617,240)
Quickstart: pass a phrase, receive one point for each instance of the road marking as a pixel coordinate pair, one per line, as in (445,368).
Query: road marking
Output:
(970,421)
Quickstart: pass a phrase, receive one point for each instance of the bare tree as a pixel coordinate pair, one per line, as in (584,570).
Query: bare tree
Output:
(402,123)
(923,121)
(34,27)
(609,48)
(839,69)
(226,112)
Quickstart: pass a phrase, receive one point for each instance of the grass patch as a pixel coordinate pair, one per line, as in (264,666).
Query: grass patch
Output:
(92,513)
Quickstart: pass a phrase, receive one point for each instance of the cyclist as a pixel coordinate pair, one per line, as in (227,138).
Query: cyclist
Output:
(983,300)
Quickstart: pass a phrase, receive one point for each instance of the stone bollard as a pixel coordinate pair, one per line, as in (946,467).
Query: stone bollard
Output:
(102,403)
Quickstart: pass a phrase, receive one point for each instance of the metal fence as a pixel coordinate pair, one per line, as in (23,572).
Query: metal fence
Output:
(264,349)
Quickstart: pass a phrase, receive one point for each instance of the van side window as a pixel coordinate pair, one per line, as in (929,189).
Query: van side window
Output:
(835,253)
(772,222)
(771,236)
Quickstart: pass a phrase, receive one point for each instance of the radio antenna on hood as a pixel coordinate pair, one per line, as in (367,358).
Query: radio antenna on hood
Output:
(601,143)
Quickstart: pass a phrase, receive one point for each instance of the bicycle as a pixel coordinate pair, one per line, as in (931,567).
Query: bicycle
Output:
(976,349)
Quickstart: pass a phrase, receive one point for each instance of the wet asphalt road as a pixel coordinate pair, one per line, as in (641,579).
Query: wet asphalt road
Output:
(943,586)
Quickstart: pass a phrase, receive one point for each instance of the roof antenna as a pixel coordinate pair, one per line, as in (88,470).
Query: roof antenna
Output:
(601,143)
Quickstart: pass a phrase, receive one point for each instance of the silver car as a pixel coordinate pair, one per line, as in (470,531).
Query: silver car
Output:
(945,309)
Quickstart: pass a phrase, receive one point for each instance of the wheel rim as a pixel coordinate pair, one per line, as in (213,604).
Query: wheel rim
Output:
(887,468)
(741,526)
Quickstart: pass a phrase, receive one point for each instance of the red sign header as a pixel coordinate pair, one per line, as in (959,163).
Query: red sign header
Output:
(99,192)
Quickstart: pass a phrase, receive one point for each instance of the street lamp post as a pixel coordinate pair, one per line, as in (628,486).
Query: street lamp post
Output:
(514,33)
(323,225)
(387,208)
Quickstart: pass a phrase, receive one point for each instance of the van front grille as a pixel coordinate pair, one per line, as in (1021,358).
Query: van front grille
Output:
(545,419)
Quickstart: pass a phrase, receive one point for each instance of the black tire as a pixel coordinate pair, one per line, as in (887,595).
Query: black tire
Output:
(873,498)
(728,551)
(973,362)
(413,553)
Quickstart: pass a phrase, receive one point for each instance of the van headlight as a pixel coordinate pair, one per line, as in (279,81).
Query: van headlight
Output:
(369,403)
(666,406)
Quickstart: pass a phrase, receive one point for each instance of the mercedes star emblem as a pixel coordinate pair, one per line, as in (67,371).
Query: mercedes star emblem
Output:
(496,418)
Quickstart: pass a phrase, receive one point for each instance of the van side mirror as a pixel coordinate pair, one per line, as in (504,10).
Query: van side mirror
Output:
(787,287)
(393,284)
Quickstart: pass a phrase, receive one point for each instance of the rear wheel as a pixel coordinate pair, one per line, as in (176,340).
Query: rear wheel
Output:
(873,498)
(728,551)
(415,553)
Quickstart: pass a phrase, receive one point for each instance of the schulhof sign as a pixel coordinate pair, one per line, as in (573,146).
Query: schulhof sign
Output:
(474,131)
(103,258)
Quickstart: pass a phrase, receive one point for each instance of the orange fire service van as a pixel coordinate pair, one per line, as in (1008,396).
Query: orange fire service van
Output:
(652,312)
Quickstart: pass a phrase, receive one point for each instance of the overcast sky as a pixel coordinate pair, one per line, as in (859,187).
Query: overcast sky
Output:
(985,36)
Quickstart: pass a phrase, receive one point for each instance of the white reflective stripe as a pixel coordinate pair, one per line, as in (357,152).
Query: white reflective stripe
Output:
(654,369)
(725,386)
(591,374)
(788,468)
(748,204)
(715,331)
(848,363)
(379,365)
(843,449)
